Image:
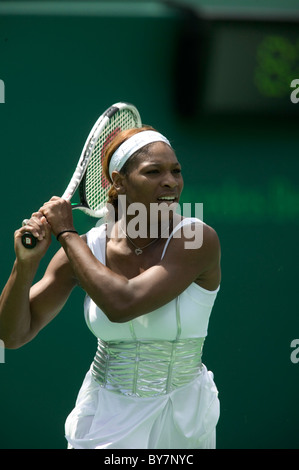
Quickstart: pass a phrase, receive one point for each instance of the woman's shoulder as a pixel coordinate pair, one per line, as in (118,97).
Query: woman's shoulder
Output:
(209,259)
(196,233)
(202,248)
(202,240)
(195,248)
(192,239)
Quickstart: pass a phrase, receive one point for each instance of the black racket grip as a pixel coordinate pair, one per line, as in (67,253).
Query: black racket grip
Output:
(28,240)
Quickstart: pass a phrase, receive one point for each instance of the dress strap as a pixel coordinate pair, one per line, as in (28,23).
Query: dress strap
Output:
(187,221)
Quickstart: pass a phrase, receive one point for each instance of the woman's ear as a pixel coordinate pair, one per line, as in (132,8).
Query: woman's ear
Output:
(118,182)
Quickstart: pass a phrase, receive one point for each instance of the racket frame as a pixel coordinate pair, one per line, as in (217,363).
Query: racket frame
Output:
(86,154)
(28,240)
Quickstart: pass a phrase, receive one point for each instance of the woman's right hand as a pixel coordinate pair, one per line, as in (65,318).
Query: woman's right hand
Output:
(40,229)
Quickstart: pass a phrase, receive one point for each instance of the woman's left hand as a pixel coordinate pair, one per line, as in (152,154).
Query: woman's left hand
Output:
(58,213)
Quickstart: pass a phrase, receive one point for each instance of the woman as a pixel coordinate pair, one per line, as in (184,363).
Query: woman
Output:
(148,301)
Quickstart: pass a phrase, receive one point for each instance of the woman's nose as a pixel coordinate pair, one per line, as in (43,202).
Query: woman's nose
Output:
(169,180)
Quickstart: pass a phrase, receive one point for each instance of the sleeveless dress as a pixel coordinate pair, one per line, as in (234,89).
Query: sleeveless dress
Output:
(147,387)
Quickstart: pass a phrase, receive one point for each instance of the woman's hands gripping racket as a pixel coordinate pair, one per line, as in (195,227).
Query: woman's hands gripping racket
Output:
(88,176)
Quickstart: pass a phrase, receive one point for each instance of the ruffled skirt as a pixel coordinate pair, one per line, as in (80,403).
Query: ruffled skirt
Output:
(185,418)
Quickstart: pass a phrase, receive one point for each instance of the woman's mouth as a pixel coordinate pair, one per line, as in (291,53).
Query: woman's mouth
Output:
(167,198)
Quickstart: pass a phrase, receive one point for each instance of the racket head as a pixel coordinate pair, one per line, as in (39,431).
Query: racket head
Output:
(89,175)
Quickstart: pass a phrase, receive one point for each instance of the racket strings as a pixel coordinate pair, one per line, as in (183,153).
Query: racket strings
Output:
(96,184)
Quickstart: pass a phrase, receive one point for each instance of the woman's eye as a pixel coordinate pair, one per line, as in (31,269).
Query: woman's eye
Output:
(157,171)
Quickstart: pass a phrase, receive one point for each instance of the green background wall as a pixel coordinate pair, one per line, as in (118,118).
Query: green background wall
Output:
(60,72)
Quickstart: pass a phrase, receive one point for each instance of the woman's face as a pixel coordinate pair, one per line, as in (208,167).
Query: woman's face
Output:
(154,177)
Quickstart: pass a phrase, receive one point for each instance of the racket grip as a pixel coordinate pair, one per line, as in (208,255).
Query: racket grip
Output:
(28,240)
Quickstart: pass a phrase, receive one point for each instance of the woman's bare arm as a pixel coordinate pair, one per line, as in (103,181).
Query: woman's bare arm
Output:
(123,299)
(120,298)
(24,310)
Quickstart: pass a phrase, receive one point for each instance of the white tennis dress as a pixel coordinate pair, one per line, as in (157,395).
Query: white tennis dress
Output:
(147,387)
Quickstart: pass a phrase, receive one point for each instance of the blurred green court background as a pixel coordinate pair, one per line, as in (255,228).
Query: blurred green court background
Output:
(215,78)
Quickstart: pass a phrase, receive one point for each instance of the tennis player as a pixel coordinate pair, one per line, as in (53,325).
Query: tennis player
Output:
(148,301)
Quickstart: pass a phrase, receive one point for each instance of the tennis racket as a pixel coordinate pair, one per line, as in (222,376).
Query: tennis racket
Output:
(88,176)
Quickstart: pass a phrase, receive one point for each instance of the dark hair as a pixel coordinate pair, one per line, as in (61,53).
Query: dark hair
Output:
(111,148)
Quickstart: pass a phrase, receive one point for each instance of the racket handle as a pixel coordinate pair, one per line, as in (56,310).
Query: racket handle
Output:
(28,240)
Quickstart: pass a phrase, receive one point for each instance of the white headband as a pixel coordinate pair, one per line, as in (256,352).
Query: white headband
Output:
(131,145)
